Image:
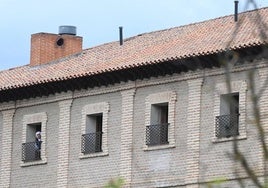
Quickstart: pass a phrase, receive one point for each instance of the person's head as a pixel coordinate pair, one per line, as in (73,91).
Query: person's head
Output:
(38,135)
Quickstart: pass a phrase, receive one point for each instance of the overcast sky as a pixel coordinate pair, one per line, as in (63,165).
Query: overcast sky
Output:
(97,21)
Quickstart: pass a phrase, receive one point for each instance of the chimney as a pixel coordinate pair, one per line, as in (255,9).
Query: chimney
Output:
(236,11)
(121,35)
(47,47)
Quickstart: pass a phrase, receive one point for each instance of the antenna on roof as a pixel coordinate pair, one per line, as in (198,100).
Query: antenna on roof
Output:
(236,11)
(121,35)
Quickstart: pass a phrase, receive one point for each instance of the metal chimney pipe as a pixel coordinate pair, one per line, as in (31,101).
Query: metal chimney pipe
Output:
(121,35)
(236,11)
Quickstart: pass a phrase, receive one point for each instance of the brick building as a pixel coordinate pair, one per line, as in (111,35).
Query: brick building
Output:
(153,109)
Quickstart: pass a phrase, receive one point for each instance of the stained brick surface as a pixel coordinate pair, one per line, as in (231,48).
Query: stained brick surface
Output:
(37,175)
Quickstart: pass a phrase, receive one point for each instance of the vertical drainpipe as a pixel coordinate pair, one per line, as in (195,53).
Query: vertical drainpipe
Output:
(236,11)
(121,35)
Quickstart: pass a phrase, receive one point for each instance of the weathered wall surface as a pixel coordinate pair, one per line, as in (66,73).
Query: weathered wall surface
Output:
(44,175)
(95,171)
(195,156)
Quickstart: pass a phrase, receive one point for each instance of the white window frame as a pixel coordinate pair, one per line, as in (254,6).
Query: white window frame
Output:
(30,119)
(157,98)
(221,89)
(92,109)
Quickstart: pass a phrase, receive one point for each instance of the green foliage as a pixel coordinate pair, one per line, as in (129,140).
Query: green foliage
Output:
(216,182)
(115,183)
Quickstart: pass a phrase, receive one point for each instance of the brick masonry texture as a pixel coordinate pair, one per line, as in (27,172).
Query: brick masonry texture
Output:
(263,74)
(6,147)
(95,171)
(37,175)
(193,130)
(159,167)
(196,157)
(215,156)
(44,47)
(1,130)
(127,135)
(63,143)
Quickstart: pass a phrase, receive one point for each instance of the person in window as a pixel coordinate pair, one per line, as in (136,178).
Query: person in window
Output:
(37,144)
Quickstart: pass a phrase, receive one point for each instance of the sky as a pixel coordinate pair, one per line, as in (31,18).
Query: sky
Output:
(97,21)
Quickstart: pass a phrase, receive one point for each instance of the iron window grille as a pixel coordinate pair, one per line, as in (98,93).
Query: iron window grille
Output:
(157,134)
(31,152)
(91,143)
(227,125)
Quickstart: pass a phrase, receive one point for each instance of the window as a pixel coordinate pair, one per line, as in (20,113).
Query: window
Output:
(31,149)
(33,145)
(94,130)
(230,111)
(92,140)
(227,124)
(157,131)
(160,120)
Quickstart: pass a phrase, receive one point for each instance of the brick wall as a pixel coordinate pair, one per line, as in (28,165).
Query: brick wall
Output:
(44,47)
(1,130)
(95,171)
(167,166)
(161,167)
(126,145)
(37,175)
(215,156)
(193,131)
(6,147)
(63,142)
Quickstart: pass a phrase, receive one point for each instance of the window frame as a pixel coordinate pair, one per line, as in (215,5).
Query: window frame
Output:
(30,120)
(227,124)
(93,109)
(239,87)
(158,125)
(155,99)
(93,123)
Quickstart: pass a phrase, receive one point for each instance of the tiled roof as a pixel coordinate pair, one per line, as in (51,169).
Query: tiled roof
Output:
(204,38)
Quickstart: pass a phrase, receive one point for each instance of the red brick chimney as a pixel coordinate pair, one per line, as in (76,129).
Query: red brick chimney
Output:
(47,47)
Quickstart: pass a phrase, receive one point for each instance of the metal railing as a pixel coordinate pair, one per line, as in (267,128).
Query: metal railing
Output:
(91,143)
(157,134)
(227,125)
(31,151)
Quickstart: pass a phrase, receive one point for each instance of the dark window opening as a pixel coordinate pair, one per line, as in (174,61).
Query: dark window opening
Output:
(92,140)
(227,124)
(31,150)
(157,131)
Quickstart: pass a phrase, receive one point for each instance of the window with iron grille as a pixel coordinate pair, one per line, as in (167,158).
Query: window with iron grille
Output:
(30,152)
(33,152)
(31,149)
(91,142)
(157,134)
(227,123)
(157,131)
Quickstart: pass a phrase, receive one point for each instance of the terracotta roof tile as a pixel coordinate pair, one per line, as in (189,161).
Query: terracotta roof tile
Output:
(196,39)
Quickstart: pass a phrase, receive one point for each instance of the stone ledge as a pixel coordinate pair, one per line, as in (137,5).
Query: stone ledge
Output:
(151,148)
(92,155)
(33,163)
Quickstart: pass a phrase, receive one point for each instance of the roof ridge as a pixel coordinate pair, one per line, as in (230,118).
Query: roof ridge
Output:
(204,21)
(175,27)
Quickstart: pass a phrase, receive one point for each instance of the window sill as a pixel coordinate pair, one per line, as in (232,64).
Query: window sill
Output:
(158,147)
(33,163)
(92,155)
(217,140)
